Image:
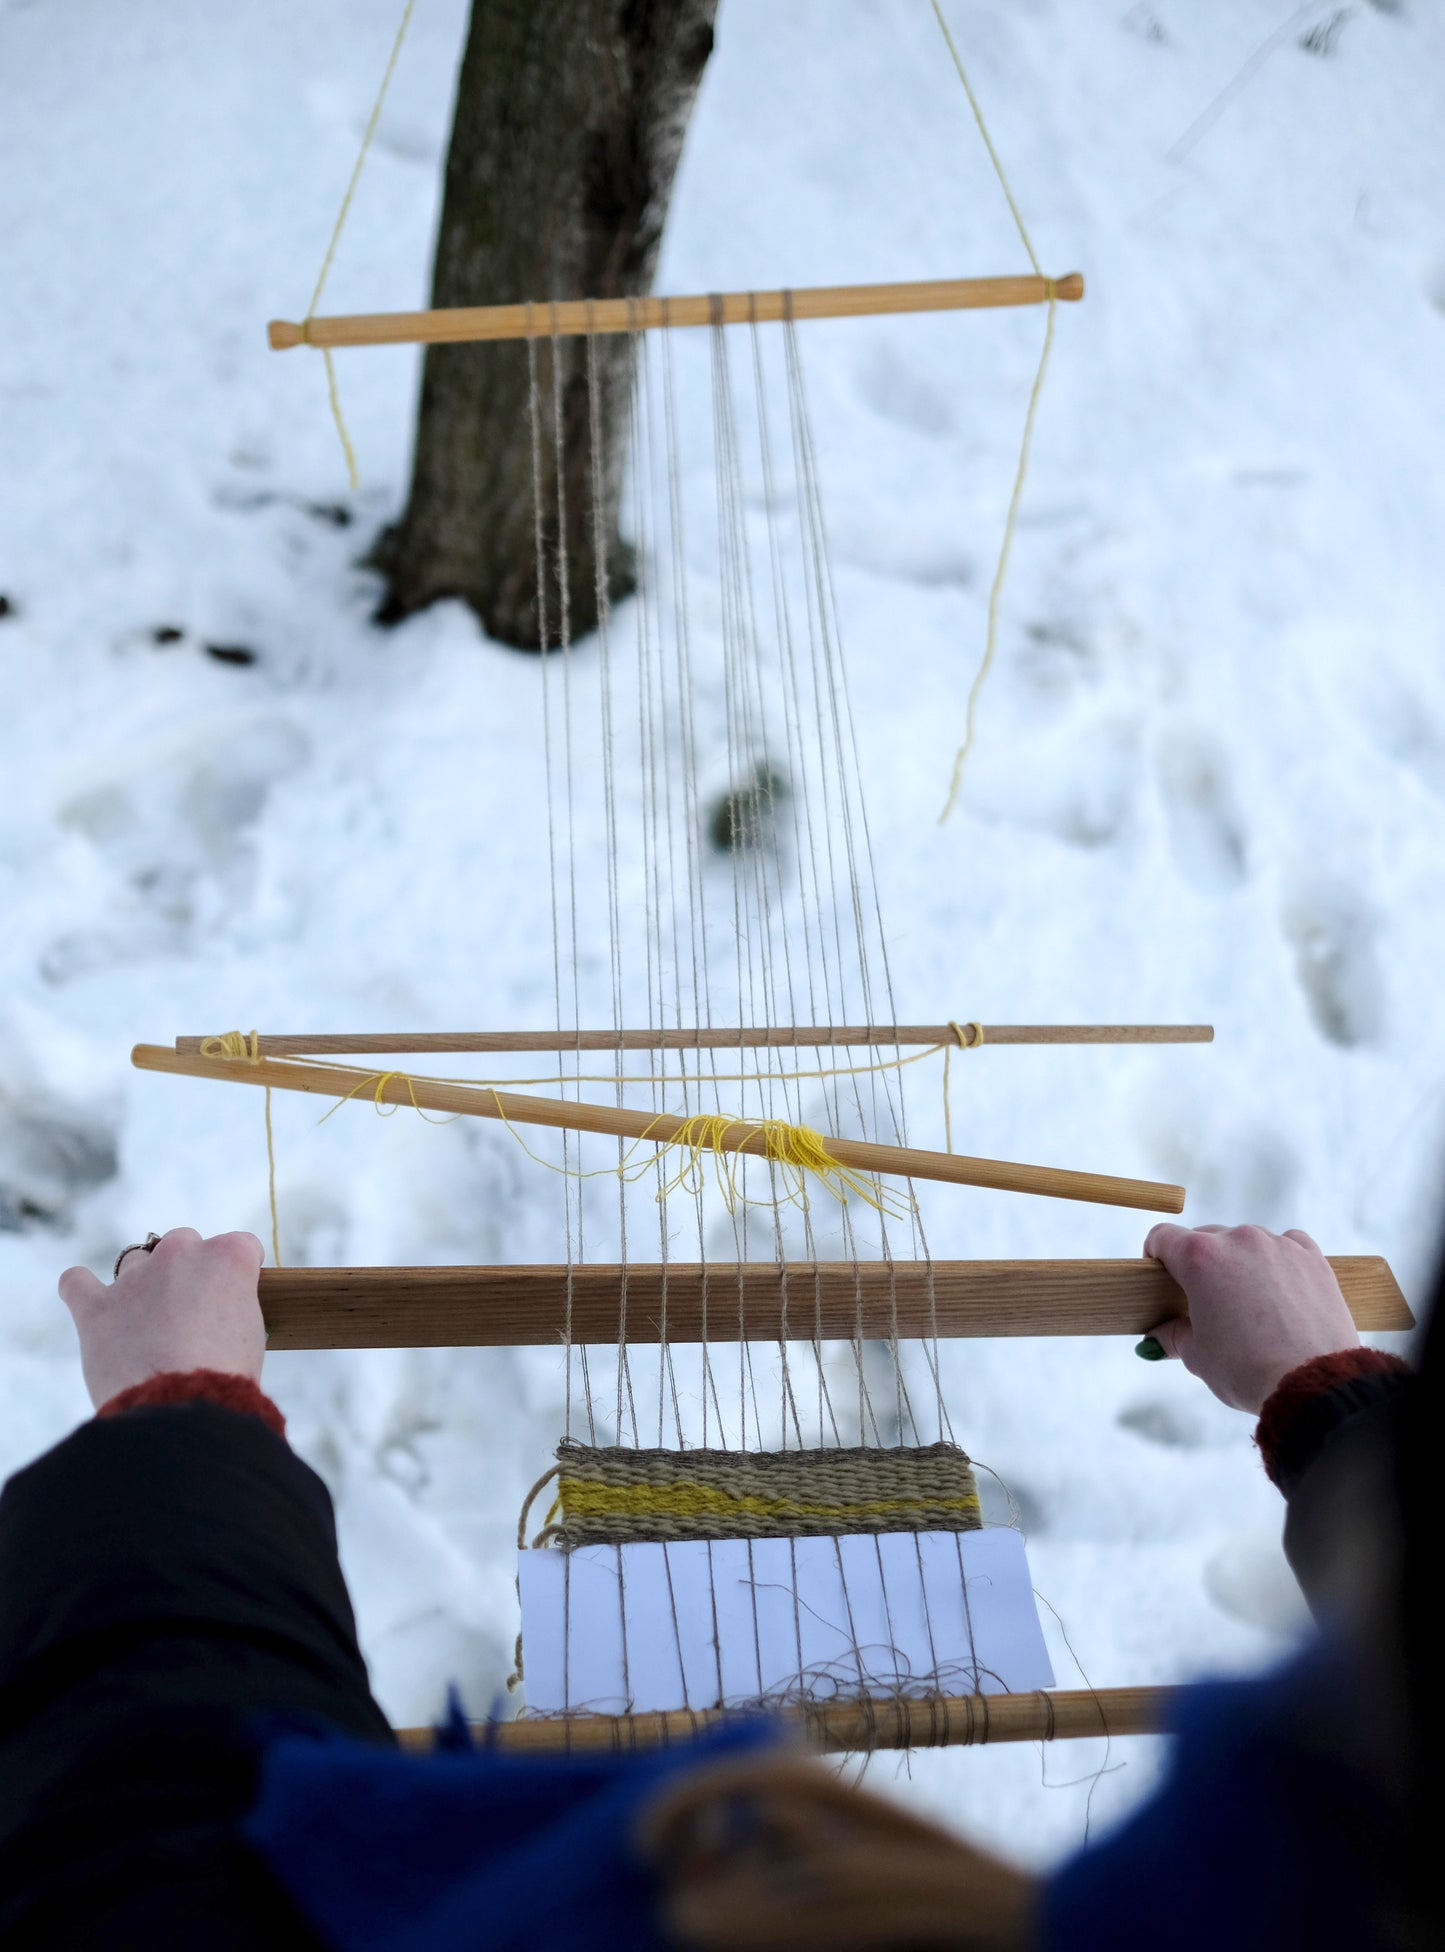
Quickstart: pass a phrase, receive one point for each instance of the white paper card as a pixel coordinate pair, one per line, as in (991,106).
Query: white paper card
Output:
(613,1629)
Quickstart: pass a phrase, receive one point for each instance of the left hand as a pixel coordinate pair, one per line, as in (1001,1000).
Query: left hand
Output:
(187,1304)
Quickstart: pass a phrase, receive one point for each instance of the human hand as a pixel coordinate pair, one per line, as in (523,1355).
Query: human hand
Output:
(187,1304)
(776,1854)
(1260,1304)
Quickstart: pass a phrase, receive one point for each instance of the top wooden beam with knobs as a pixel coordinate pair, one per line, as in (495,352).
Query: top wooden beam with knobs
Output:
(578,317)
(658,1128)
(710,1037)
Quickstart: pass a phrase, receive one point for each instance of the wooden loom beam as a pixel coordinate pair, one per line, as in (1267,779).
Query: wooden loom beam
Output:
(573,318)
(517,1307)
(711,1037)
(942,1721)
(521,1108)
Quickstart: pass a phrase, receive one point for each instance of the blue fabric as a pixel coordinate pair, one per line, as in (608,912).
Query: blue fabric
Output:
(1258,1838)
(386,1852)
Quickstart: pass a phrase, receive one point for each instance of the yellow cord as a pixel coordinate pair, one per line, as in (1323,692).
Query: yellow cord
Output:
(796,1149)
(353,475)
(560,1080)
(238,1044)
(993,154)
(964,1044)
(1011,520)
(347,449)
(386,1107)
(990,642)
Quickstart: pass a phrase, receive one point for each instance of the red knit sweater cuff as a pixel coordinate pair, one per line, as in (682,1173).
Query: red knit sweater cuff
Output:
(1304,1385)
(218,1386)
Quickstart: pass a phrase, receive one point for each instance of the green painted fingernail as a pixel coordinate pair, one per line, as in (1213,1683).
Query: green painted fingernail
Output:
(1149,1349)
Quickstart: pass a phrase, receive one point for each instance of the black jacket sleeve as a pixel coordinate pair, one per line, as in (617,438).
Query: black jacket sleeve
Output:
(1342,1528)
(167,1578)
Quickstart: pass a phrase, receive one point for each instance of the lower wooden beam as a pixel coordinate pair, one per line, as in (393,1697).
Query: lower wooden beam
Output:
(753,1301)
(945,1721)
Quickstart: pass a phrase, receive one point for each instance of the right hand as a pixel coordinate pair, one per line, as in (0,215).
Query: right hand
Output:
(1260,1304)
(187,1304)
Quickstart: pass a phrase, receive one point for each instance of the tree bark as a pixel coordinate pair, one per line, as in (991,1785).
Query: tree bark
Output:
(569,123)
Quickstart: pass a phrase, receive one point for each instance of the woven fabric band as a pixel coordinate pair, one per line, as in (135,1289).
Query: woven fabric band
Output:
(616,1496)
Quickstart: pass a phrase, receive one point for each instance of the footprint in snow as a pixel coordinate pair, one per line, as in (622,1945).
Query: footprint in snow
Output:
(1007,1502)
(1249,1578)
(900,391)
(1247,1171)
(904,552)
(1173,1425)
(1197,1421)
(1055,658)
(1079,786)
(174,831)
(1333,932)
(50,1158)
(1206,827)
(1403,727)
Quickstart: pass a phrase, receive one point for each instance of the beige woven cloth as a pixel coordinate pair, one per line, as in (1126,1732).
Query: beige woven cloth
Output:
(615,1496)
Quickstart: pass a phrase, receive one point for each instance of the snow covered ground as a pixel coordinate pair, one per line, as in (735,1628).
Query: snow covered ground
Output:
(1208,783)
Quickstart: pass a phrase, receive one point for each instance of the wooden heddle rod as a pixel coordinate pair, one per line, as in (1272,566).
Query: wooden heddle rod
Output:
(712,1037)
(851,1727)
(578,317)
(658,1128)
(750,1301)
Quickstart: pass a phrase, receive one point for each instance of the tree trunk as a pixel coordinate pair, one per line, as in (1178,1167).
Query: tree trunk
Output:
(569,122)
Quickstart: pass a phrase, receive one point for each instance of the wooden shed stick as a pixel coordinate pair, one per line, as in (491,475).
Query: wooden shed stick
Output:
(934,1722)
(751,1301)
(711,1037)
(571,318)
(516,1108)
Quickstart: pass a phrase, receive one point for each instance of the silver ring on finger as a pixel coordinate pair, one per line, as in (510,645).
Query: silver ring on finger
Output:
(146,1246)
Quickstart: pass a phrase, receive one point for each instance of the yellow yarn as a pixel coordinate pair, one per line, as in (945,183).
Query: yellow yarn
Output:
(964,1044)
(698,1079)
(990,643)
(560,1081)
(238,1044)
(1011,519)
(387,1107)
(353,477)
(797,1149)
(245,1045)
